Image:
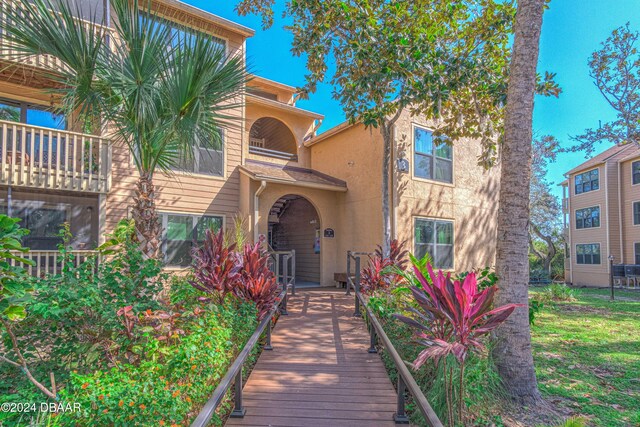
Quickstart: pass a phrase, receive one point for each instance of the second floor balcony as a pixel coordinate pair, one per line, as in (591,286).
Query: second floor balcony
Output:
(270,137)
(45,158)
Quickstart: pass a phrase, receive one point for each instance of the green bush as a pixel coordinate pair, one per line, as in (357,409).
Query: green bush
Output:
(558,292)
(132,345)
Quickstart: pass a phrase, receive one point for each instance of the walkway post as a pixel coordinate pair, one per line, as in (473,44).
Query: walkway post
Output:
(267,345)
(348,272)
(238,410)
(357,290)
(400,417)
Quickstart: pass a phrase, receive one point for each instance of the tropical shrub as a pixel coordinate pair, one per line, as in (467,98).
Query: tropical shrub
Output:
(450,319)
(220,270)
(382,272)
(257,283)
(216,265)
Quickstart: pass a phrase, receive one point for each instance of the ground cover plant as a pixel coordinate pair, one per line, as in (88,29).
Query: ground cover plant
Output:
(128,343)
(587,355)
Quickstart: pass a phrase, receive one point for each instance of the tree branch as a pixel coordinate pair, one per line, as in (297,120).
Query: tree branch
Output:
(23,362)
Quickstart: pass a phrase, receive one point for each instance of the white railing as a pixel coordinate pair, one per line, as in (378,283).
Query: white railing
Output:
(37,157)
(51,262)
(257,142)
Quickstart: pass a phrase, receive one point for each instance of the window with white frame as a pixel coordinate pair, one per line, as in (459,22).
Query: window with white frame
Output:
(588,218)
(636,213)
(636,248)
(182,232)
(587,181)
(635,172)
(433,157)
(588,253)
(435,237)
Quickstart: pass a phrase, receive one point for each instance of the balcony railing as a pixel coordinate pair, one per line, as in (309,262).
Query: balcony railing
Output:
(37,157)
(257,146)
(50,262)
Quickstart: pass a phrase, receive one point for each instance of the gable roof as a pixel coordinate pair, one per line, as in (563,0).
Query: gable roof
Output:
(609,154)
(293,175)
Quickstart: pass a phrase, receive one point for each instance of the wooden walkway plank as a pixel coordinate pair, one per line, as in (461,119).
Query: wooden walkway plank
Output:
(319,372)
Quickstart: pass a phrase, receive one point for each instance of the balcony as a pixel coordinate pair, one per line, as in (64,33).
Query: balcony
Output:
(51,262)
(43,158)
(272,138)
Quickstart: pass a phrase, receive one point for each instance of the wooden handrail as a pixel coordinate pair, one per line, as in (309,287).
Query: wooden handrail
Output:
(234,374)
(378,335)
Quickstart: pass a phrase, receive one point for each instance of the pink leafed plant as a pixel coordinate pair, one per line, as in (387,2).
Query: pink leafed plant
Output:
(216,265)
(382,272)
(257,282)
(451,319)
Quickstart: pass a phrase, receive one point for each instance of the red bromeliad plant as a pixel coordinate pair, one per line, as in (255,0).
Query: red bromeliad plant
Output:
(381,272)
(453,317)
(216,265)
(257,282)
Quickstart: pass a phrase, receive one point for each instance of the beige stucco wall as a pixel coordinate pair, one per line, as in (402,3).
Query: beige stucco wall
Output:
(355,156)
(471,201)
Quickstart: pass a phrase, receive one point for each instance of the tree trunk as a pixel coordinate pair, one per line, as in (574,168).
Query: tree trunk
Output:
(512,352)
(387,138)
(145,214)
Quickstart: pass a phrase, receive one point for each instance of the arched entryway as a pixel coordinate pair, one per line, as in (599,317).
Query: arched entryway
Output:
(294,223)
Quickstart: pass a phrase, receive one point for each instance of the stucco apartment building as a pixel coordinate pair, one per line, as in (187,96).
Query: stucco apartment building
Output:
(602,215)
(317,193)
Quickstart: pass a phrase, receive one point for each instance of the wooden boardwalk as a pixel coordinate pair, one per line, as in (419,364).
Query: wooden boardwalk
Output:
(319,372)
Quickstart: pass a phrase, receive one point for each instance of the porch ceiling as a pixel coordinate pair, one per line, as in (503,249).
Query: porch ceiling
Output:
(291,175)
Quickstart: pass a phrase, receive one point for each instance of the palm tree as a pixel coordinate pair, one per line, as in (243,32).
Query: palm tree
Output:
(512,352)
(160,89)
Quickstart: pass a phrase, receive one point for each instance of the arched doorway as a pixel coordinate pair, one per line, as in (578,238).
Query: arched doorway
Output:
(294,223)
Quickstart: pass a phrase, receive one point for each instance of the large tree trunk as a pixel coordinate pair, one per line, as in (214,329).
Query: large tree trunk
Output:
(145,214)
(512,352)
(387,138)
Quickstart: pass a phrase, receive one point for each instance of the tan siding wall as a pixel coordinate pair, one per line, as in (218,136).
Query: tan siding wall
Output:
(630,194)
(613,210)
(471,202)
(589,275)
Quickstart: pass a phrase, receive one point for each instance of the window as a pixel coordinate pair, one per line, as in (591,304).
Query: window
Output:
(31,114)
(588,253)
(635,171)
(636,213)
(433,158)
(588,181)
(44,223)
(588,218)
(205,160)
(178,34)
(636,248)
(435,238)
(184,232)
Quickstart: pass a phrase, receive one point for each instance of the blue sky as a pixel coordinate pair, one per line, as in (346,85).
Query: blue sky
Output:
(572,30)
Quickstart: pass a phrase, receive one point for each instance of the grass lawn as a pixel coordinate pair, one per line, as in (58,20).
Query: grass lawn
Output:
(587,355)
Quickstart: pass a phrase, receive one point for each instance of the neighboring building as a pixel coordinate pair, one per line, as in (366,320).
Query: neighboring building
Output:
(317,194)
(601,208)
